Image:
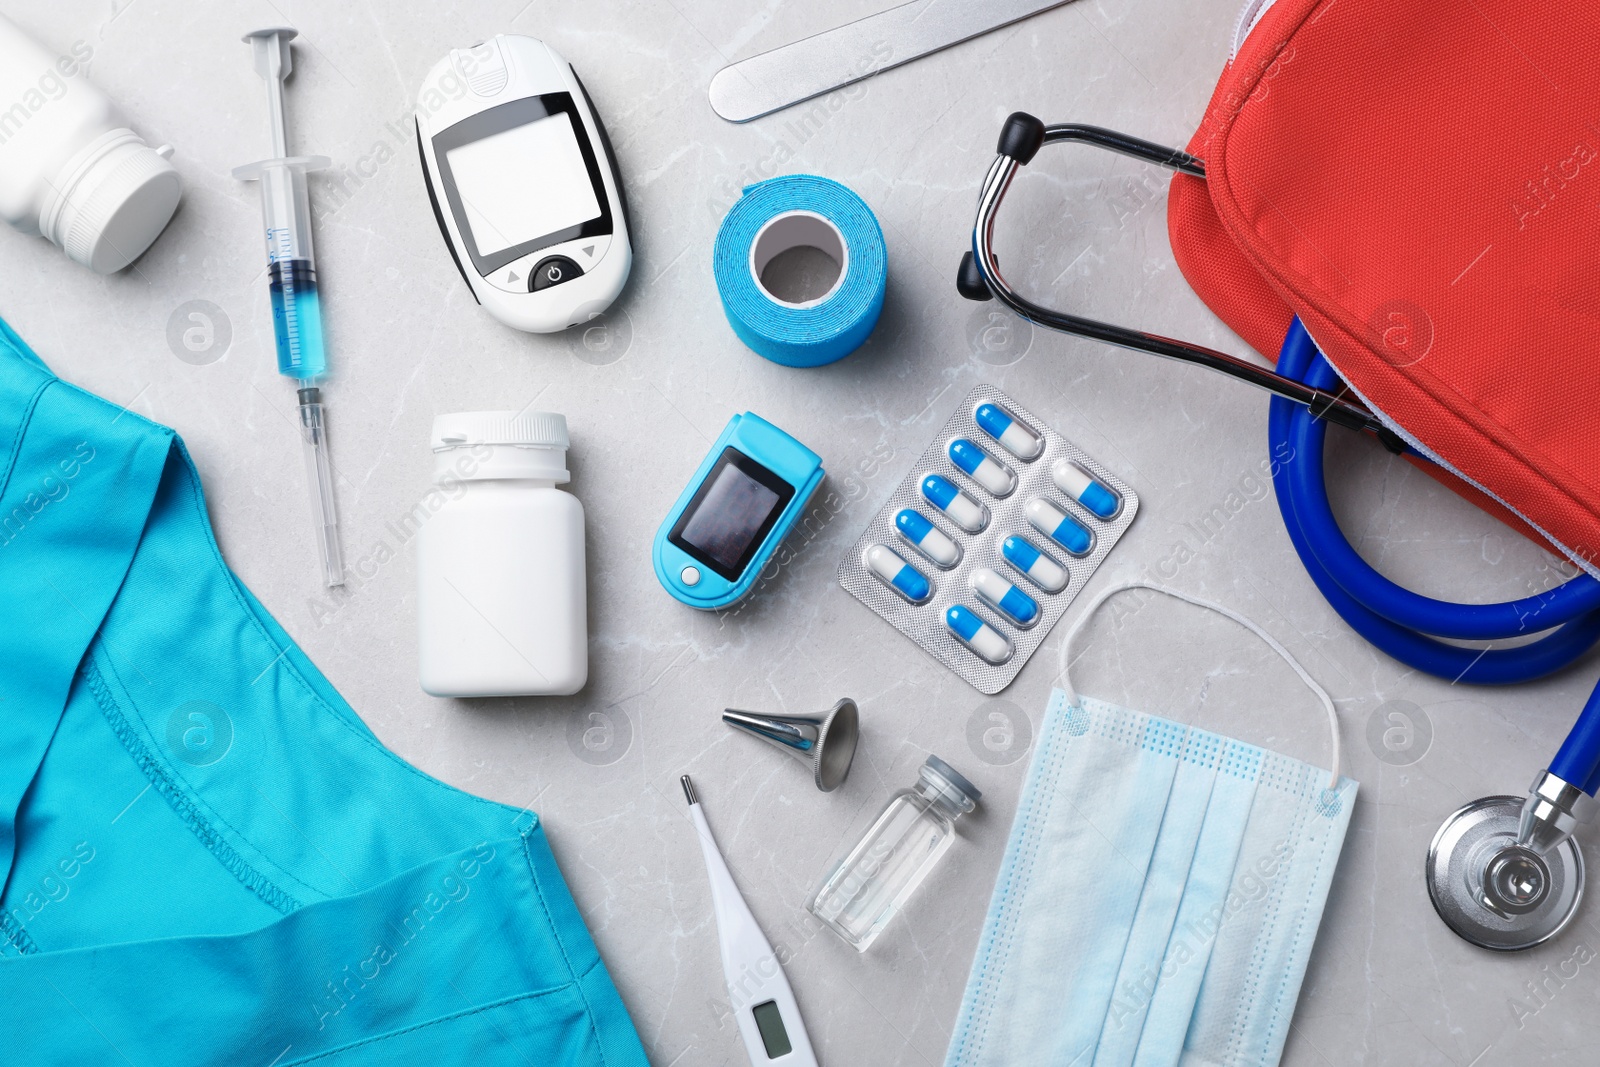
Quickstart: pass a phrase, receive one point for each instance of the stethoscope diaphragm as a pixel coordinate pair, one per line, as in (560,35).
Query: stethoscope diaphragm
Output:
(1496,893)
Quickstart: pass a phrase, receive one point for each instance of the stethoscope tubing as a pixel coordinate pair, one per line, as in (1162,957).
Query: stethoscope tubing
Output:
(1022,137)
(1308,499)
(1403,624)
(1398,621)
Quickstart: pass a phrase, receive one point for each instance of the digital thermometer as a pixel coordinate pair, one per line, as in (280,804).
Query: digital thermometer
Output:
(742,501)
(523,183)
(769,1018)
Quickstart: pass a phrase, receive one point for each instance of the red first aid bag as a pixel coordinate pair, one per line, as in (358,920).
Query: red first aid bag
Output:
(1420,183)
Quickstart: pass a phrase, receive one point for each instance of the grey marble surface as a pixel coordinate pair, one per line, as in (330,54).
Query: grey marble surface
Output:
(1387,983)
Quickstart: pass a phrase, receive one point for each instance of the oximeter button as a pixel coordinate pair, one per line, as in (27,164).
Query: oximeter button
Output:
(977,635)
(554,270)
(1059,527)
(1074,481)
(964,511)
(690,576)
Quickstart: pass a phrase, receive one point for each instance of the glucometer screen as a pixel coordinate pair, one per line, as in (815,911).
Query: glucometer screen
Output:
(523,183)
(769,1020)
(731,514)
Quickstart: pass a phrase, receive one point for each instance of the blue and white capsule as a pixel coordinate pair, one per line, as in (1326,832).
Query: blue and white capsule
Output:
(985,640)
(1060,527)
(927,538)
(981,467)
(1010,601)
(1081,486)
(964,511)
(1006,428)
(1039,568)
(897,574)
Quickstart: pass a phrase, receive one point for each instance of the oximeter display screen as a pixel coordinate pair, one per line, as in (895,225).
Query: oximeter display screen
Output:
(523,183)
(731,514)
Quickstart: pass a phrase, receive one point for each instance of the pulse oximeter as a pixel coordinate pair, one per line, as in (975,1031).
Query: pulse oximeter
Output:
(524,183)
(741,503)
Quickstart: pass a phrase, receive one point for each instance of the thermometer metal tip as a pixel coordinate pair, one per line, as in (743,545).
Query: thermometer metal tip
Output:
(688,790)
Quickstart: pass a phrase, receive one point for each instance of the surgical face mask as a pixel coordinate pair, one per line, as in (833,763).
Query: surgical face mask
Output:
(1159,896)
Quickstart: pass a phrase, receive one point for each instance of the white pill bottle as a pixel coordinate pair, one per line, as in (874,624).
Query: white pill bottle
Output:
(70,168)
(501,600)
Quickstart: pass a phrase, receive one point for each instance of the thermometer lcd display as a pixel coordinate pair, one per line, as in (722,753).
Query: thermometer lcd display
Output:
(520,184)
(731,513)
(769,1020)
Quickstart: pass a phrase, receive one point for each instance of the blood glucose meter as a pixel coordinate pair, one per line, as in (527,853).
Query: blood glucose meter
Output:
(523,183)
(742,501)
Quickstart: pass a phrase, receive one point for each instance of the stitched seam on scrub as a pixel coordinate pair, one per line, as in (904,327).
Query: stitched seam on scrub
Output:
(262,862)
(195,501)
(17,935)
(467,1013)
(22,430)
(182,803)
(283,660)
(1016,882)
(577,979)
(154,766)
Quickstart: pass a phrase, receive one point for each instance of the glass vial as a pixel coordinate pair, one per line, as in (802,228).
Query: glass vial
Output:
(862,893)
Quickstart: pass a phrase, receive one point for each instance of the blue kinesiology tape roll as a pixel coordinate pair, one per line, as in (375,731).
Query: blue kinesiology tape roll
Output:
(791,211)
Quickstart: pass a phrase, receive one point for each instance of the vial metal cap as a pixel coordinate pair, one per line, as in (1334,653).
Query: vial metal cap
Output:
(962,793)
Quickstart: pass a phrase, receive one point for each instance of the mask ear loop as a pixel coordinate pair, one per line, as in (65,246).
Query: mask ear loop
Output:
(1074,700)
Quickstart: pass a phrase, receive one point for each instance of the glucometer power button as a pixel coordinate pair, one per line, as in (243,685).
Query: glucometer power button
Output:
(690,576)
(553,270)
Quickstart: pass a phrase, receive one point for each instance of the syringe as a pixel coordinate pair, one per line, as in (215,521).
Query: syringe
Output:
(292,274)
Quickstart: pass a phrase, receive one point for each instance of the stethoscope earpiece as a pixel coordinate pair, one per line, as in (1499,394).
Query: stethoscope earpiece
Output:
(1491,890)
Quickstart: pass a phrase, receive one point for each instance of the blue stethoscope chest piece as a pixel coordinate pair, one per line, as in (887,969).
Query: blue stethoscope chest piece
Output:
(1491,890)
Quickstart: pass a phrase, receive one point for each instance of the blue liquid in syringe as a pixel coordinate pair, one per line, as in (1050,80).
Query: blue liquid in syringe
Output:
(297,319)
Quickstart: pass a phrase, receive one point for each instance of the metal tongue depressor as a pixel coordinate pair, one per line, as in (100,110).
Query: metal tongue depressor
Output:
(846,54)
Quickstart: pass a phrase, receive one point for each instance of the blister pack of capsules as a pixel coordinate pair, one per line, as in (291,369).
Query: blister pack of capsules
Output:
(984,544)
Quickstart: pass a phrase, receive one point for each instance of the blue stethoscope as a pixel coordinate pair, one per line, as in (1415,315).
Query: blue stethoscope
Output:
(1503,871)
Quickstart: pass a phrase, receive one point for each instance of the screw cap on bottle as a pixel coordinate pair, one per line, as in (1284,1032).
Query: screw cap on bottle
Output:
(116,205)
(525,429)
(525,444)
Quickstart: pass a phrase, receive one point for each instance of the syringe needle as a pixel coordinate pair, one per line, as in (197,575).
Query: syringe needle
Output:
(292,283)
(319,474)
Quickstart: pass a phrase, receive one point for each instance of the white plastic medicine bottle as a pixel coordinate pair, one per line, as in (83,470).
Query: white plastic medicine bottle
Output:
(70,169)
(501,597)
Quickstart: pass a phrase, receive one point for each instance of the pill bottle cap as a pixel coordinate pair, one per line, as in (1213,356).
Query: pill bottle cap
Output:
(523,444)
(116,199)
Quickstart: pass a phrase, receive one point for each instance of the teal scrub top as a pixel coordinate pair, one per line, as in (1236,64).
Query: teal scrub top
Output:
(206,857)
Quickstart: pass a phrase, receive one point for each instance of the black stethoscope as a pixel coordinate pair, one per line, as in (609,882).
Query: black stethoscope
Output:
(1503,871)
